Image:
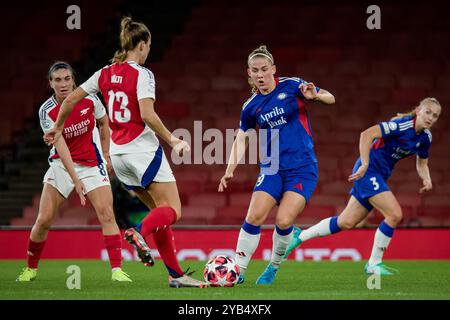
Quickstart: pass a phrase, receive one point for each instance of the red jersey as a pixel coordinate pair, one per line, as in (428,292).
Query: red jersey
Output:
(81,134)
(122,86)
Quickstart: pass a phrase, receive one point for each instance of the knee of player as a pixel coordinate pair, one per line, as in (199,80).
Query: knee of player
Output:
(346,224)
(396,216)
(43,223)
(106,214)
(254,219)
(283,222)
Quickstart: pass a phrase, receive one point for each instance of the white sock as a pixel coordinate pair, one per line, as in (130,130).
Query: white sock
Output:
(116,269)
(323,228)
(246,246)
(380,244)
(280,244)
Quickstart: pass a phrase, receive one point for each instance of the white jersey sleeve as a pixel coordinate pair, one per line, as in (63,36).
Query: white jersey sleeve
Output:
(44,119)
(91,85)
(46,123)
(145,84)
(99,108)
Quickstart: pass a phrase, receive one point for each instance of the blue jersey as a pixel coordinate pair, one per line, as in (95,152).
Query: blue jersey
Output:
(399,140)
(282,109)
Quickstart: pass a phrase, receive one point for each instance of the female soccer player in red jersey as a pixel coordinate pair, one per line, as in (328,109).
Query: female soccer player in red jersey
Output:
(136,155)
(289,175)
(76,162)
(381,147)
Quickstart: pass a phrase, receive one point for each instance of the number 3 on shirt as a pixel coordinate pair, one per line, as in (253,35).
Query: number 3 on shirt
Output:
(124,114)
(376,186)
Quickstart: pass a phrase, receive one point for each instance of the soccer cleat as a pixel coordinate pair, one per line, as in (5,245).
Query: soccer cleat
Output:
(380,269)
(138,242)
(27,274)
(120,276)
(241,279)
(295,242)
(186,281)
(268,275)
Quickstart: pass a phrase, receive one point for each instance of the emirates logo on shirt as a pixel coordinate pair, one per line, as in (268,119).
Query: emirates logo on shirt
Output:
(77,129)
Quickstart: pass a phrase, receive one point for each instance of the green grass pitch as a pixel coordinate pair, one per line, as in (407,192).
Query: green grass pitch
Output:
(295,281)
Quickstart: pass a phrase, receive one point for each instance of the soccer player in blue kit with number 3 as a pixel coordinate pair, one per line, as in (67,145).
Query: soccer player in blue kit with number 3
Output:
(288,177)
(381,147)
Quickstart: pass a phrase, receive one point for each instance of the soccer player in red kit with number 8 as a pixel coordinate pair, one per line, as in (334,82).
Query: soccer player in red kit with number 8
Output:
(79,161)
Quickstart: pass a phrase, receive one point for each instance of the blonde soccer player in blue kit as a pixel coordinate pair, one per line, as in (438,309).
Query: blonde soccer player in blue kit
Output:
(288,177)
(381,147)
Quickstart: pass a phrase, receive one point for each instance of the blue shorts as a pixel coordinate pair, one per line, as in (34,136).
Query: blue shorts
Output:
(302,180)
(368,186)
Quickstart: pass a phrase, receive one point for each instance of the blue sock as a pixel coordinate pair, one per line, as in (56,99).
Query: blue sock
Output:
(284,232)
(334,228)
(250,228)
(387,230)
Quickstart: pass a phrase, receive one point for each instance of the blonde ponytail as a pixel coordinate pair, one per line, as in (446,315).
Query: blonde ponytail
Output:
(130,35)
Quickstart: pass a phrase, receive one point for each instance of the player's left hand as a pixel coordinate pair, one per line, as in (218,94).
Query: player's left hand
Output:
(108,163)
(81,190)
(427,186)
(308,90)
(358,174)
(181,147)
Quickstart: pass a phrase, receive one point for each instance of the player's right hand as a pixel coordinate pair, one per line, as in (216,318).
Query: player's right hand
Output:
(81,190)
(223,182)
(52,136)
(358,174)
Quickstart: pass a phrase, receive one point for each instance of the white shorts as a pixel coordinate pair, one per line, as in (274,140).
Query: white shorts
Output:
(92,177)
(136,170)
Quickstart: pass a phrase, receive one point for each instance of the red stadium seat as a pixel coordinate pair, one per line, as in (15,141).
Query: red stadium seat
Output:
(176,110)
(240,199)
(426,221)
(376,81)
(197,215)
(328,200)
(436,211)
(233,215)
(416,81)
(213,200)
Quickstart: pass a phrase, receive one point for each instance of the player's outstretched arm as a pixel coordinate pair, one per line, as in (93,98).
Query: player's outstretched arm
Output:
(151,118)
(240,144)
(309,91)
(424,173)
(66,158)
(365,141)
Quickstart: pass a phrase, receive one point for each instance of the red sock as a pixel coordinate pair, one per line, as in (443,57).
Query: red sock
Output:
(165,243)
(158,219)
(113,244)
(34,253)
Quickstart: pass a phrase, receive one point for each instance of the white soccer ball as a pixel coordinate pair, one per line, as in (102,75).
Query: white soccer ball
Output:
(221,271)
